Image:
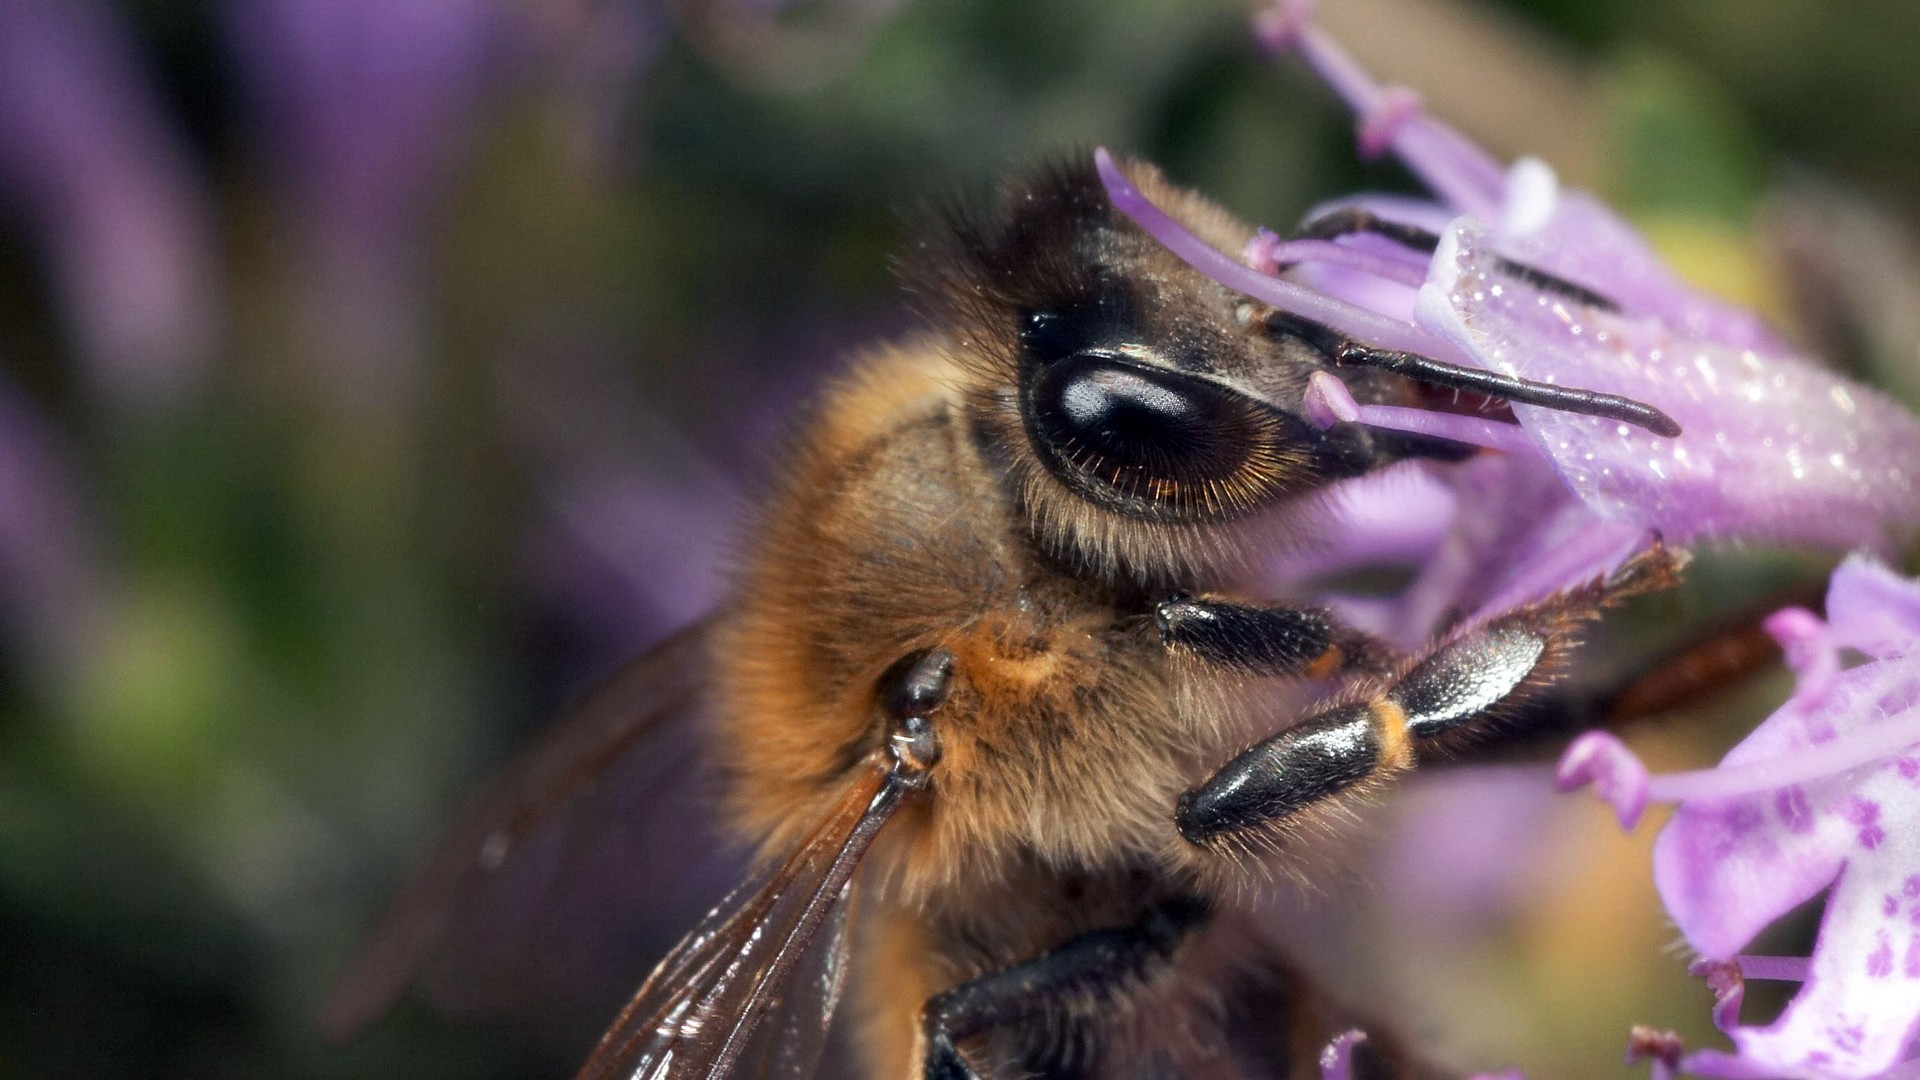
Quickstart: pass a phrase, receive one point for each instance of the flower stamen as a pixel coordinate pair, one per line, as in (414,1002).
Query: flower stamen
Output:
(1269,254)
(1459,172)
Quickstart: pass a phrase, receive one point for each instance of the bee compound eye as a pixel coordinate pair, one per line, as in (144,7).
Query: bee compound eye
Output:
(1148,439)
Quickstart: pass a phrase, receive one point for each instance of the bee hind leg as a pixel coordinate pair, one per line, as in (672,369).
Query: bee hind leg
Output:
(1098,967)
(1463,691)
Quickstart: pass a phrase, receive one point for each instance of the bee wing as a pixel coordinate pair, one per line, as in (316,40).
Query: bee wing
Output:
(552,834)
(749,993)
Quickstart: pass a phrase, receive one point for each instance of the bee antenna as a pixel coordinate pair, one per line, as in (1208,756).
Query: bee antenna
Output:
(1343,350)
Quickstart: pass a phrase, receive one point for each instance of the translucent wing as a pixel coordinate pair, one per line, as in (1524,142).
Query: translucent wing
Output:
(551,836)
(750,991)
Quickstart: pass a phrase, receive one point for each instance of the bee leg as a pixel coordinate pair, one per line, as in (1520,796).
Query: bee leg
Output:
(1459,693)
(1349,220)
(1097,967)
(1264,639)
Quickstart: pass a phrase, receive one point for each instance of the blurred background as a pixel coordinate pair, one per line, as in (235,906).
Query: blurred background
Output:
(376,373)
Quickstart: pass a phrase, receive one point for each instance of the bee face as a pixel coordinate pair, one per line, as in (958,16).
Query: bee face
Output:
(1140,411)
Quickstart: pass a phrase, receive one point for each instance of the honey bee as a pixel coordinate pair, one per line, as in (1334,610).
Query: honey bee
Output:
(988,708)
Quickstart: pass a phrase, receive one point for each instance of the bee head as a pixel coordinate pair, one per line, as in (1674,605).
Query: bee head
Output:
(1142,415)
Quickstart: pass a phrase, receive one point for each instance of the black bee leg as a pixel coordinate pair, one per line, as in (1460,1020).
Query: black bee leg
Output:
(1265,639)
(1344,351)
(1459,693)
(1350,220)
(1095,968)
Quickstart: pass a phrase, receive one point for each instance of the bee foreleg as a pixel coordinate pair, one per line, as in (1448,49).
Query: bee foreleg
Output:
(1098,967)
(1459,692)
(1264,639)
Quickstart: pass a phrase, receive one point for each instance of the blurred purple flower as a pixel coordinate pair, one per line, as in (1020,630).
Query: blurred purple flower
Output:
(1824,794)
(363,107)
(93,171)
(629,534)
(1772,445)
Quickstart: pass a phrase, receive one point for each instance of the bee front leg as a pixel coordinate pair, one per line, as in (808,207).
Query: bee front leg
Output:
(1458,694)
(1094,969)
(1265,639)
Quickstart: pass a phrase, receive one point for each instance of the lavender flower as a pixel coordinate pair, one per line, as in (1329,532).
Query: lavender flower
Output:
(89,164)
(1825,794)
(1772,445)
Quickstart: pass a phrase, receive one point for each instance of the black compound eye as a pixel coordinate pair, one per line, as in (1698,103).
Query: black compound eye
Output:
(1153,442)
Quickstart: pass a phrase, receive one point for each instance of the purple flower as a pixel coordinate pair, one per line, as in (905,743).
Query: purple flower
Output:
(1772,445)
(96,174)
(363,107)
(1823,795)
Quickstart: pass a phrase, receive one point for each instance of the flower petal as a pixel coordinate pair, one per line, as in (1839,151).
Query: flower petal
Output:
(1873,609)
(1727,868)
(1772,447)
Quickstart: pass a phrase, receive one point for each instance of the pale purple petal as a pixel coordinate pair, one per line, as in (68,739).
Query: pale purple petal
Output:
(1773,447)
(1856,1012)
(1360,323)
(1727,869)
(1873,609)
(1809,650)
(1828,799)
(1585,242)
(1336,1059)
(1724,1066)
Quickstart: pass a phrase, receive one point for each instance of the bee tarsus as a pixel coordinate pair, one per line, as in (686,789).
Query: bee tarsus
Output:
(1264,639)
(1460,692)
